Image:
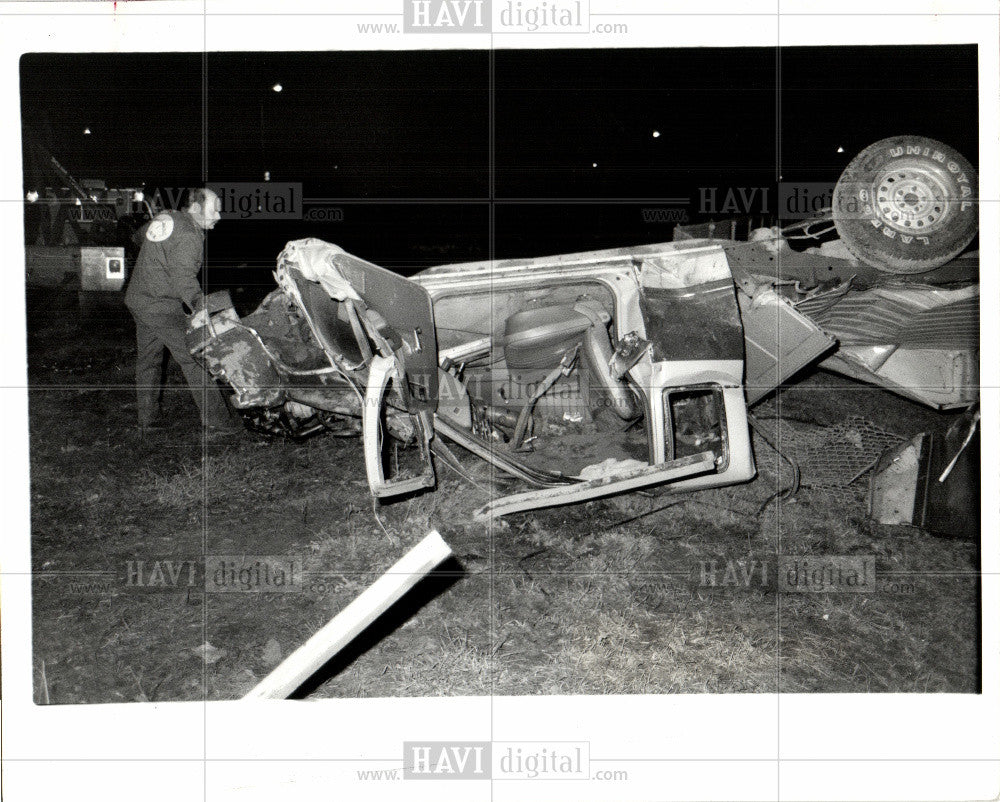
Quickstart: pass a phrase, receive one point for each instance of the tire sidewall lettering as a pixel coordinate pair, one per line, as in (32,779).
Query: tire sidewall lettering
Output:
(884,246)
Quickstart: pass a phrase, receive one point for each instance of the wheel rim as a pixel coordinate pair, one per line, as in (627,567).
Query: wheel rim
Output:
(912,198)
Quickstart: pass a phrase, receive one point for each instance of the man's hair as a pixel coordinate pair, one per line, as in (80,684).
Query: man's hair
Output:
(195,195)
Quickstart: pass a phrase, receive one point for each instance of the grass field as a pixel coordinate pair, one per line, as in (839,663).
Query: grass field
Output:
(606,597)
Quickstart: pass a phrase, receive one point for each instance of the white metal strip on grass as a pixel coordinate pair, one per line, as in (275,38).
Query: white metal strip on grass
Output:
(596,488)
(350,622)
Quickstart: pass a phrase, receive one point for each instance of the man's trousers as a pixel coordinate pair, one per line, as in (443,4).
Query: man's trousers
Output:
(154,331)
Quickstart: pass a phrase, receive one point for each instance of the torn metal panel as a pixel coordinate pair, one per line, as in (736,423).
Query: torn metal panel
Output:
(780,341)
(383,371)
(676,321)
(620,478)
(314,259)
(237,356)
(899,483)
(694,267)
(394,311)
(931,482)
(830,262)
(940,378)
(234,353)
(919,317)
(406,308)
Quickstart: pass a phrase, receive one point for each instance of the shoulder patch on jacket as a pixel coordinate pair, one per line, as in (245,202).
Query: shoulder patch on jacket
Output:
(160,228)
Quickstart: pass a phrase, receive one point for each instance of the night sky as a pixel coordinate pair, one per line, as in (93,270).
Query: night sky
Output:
(420,127)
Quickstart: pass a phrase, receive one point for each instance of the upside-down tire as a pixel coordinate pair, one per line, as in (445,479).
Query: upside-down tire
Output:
(907,204)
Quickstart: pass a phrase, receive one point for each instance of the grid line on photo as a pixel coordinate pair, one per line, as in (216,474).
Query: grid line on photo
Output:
(491,524)
(778,491)
(204,405)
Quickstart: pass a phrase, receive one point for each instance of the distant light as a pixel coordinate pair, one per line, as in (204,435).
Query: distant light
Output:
(77,202)
(86,131)
(594,164)
(32,196)
(277,87)
(267,175)
(138,197)
(840,150)
(656,134)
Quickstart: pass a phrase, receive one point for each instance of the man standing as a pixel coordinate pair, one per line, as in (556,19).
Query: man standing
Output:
(164,281)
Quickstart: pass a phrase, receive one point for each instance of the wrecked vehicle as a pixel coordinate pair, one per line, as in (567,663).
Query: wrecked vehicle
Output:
(594,373)
(888,279)
(583,375)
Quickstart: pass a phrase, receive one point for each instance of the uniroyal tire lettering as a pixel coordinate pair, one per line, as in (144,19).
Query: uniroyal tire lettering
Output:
(898,247)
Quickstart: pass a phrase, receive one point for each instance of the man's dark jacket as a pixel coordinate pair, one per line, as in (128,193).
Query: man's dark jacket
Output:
(169,264)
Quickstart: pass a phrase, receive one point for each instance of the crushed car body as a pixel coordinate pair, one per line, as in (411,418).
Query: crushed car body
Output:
(916,335)
(584,374)
(589,374)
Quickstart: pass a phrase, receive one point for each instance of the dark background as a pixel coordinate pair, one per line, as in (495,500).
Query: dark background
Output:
(413,146)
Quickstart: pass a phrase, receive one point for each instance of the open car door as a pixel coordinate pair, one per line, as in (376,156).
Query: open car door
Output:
(392,321)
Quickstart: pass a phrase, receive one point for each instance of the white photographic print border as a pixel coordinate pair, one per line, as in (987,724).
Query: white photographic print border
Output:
(678,747)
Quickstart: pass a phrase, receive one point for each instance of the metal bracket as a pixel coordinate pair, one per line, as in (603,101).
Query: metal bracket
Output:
(381,371)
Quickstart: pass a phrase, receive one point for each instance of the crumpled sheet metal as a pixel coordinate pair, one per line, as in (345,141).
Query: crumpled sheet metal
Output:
(316,261)
(816,302)
(942,378)
(779,341)
(918,317)
(236,355)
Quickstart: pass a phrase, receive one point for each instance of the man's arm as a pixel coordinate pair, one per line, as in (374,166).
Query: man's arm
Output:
(183,269)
